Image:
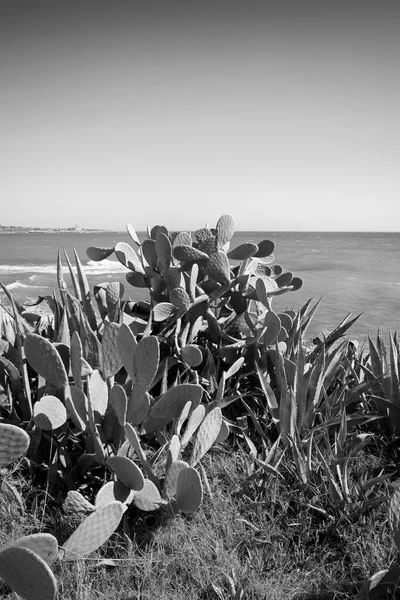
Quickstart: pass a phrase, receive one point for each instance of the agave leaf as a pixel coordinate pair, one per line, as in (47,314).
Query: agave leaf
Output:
(126,471)
(85,293)
(14,442)
(93,531)
(97,254)
(206,435)
(45,360)
(27,573)
(49,413)
(380,585)
(128,257)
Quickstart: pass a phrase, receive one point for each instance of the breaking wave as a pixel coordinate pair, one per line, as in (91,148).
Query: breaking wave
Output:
(91,268)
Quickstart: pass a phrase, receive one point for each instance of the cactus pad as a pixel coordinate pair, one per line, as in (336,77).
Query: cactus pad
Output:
(128,257)
(194,421)
(162,311)
(49,413)
(126,471)
(76,503)
(44,545)
(265,248)
(148,498)
(113,491)
(27,573)
(14,442)
(145,361)
(97,254)
(119,402)
(225,229)
(45,360)
(188,254)
(218,267)
(179,298)
(189,491)
(192,355)
(127,346)
(244,251)
(112,361)
(207,434)
(171,477)
(170,405)
(93,531)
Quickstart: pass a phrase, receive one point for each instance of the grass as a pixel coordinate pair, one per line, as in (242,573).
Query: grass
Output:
(257,537)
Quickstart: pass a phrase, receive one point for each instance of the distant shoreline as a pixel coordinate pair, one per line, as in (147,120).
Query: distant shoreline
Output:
(13,229)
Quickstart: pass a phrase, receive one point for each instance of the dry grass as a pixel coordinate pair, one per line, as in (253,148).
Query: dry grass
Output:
(257,537)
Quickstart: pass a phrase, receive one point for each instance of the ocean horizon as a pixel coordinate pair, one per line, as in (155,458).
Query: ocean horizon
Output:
(353,272)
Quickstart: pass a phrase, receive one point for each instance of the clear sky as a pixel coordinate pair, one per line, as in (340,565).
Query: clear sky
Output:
(283,113)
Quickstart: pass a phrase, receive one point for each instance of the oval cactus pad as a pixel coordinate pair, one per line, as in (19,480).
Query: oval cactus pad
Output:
(148,498)
(45,360)
(93,531)
(113,491)
(97,254)
(44,545)
(171,477)
(128,257)
(189,491)
(27,574)
(126,471)
(207,434)
(225,229)
(145,361)
(76,503)
(14,442)
(172,402)
(49,413)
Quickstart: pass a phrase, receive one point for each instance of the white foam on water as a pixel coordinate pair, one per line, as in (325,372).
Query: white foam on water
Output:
(91,268)
(19,284)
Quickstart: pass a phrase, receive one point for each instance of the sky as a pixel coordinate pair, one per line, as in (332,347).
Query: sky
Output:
(284,114)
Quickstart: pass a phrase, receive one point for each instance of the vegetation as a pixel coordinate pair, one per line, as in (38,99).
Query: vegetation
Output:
(197,447)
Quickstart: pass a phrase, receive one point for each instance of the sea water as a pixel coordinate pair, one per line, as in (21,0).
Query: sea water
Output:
(353,272)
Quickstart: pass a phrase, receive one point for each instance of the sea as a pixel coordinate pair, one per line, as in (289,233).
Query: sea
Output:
(352,272)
